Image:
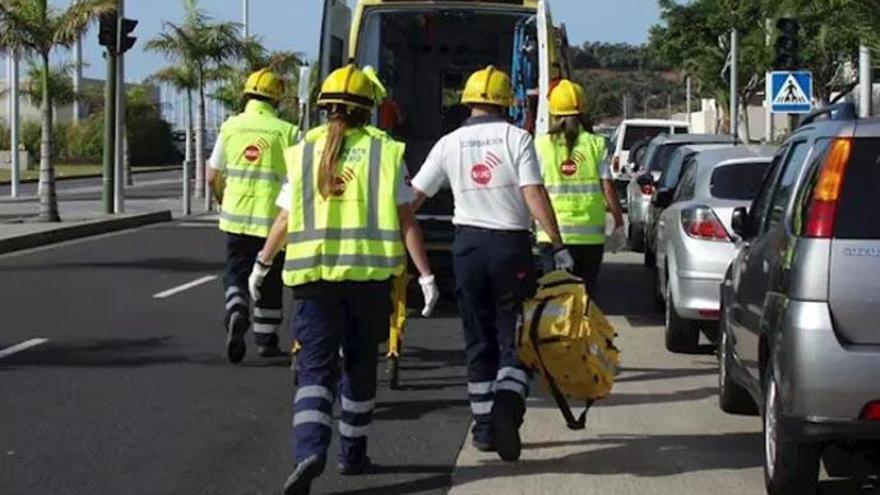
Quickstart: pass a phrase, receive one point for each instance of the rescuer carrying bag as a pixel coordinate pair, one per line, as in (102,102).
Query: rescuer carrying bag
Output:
(567,340)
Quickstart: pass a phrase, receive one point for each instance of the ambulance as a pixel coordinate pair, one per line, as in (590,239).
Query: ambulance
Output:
(424,52)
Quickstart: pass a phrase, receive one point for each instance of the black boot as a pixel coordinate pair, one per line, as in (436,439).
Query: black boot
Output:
(236,326)
(507,416)
(355,468)
(300,482)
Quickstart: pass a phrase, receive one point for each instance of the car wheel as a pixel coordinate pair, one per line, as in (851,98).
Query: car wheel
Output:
(790,468)
(650,257)
(682,336)
(732,398)
(659,301)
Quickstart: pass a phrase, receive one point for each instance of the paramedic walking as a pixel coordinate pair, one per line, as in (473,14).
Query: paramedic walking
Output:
(496,182)
(347,219)
(246,173)
(579,183)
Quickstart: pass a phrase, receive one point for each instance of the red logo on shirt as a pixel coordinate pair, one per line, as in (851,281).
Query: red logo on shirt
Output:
(481,173)
(252,153)
(569,168)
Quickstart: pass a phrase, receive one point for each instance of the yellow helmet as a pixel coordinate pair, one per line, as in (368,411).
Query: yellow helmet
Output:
(348,86)
(264,83)
(488,86)
(567,99)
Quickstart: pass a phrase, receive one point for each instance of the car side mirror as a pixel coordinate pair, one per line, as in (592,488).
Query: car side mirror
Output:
(663,198)
(741,222)
(645,180)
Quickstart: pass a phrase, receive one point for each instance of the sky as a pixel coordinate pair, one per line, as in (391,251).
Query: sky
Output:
(295,25)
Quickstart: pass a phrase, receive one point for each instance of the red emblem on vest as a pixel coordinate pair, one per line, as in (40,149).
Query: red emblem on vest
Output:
(252,153)
(569,168)
(481,174)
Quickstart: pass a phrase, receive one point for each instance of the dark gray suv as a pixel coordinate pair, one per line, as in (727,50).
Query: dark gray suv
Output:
(800,324)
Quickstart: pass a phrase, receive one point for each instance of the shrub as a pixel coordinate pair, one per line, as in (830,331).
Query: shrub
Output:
(84,142)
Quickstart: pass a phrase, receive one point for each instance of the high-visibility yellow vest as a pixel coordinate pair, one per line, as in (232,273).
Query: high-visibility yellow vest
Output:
(575,187)
(353,235)
(253,146)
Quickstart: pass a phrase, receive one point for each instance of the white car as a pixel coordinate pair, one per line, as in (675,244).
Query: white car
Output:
(633,131)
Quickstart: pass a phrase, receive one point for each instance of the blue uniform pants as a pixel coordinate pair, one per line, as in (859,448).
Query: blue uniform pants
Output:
(354,316)
(494,273)
(241,253)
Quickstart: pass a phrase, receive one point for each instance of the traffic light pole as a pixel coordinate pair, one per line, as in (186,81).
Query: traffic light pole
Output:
(110,134)
(119,121)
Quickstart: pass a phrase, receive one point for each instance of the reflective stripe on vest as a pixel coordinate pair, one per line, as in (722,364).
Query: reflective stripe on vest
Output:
(574,186)
(325,253)
(254,143)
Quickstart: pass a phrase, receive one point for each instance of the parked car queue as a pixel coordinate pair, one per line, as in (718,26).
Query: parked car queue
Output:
(774,254)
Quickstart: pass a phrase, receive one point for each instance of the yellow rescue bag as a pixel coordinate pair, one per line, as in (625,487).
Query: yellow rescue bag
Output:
(569,342)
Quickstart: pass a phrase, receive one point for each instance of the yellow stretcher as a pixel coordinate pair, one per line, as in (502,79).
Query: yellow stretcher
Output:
(397,329)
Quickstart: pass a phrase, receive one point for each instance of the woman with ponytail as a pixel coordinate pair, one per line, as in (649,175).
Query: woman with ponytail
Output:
(347,223)
(579,183)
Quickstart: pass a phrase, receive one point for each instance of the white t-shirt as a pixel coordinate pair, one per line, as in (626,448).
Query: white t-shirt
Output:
(486,163)
(403,195)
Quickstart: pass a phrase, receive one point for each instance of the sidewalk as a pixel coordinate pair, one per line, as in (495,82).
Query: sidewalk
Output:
(81,210)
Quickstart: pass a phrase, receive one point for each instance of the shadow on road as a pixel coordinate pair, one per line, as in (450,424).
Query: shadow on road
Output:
(849,487)
(110,353)
(643,456)
(628,374)
(183,265)
(433,483)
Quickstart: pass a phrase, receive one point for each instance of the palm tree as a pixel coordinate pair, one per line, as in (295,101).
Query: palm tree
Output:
(32,27)
(183,79)
(255,57)
(203,46)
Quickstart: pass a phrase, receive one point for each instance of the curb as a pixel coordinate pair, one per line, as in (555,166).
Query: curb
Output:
(92,176)
(82,230)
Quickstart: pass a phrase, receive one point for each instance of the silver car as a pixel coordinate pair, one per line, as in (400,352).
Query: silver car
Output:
(648,170)
(800,336)
(694,244)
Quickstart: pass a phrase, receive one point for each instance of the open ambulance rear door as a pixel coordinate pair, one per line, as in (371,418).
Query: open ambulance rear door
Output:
(550,63)
(335,29)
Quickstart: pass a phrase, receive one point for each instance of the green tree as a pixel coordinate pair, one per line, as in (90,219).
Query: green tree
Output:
(255,56)
(33,28)
(203,45)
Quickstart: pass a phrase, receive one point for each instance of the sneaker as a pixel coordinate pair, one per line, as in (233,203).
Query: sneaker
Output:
(300,482)
(356,468)
(271,351)
(236,327)
(507,414)
(483,445)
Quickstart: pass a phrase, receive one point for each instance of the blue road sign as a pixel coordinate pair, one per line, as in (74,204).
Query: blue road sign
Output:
(791,92)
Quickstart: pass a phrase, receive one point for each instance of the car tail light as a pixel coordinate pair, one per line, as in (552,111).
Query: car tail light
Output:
(871,411)
(700,222)
(823,208)
(714,314)
(647,189)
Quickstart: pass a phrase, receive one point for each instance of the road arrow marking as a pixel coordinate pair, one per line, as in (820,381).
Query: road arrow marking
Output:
(187,286)
(27,344)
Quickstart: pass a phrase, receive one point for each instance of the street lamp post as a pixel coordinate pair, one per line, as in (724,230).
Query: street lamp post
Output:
(245,16)
(866,85)
(14,164)
(734,84)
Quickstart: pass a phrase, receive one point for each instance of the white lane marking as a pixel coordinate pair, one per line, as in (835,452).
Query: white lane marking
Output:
(27,344)
(187,286)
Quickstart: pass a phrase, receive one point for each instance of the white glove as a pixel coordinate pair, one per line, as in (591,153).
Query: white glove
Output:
(255,281)
(563,260)
(616,242)
(431,293)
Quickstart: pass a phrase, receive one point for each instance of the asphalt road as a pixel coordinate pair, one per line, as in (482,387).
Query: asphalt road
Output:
(132,394)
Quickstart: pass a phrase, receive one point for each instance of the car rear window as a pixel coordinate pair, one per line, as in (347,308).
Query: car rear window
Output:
(662,156)
(738,181)
(635,133)
(859,208)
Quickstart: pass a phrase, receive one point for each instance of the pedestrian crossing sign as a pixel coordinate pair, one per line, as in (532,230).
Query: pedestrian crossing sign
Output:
(791,92)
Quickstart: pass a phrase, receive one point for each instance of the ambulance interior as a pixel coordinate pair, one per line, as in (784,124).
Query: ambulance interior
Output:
(424,57)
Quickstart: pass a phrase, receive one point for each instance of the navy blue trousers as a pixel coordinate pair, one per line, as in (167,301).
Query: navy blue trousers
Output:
(494,273)
(241,253)
(355,316)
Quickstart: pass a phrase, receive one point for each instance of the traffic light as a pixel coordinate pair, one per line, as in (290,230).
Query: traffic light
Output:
(788,44)
(107,33)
